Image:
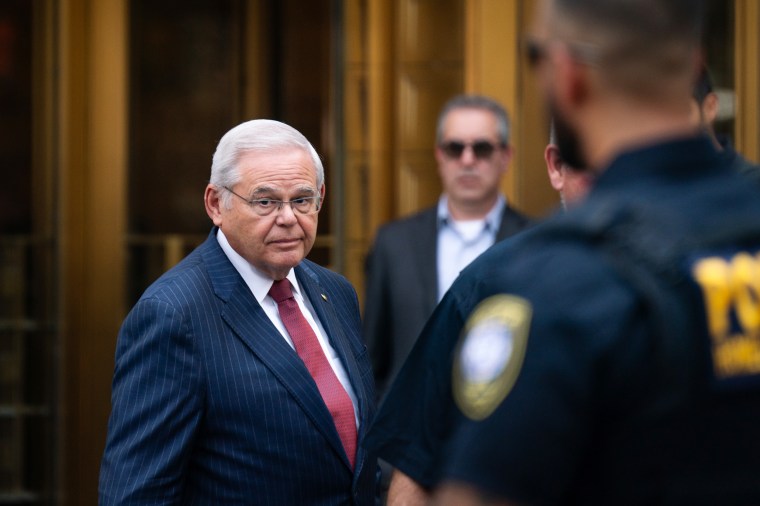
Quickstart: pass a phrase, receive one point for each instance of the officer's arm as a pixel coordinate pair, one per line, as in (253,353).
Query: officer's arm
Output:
(404,491)
(457,494)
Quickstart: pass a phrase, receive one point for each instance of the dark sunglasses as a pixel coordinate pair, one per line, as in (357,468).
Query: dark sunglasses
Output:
(481,149)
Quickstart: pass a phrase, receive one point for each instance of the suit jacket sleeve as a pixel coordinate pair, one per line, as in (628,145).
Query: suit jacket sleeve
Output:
(156,408)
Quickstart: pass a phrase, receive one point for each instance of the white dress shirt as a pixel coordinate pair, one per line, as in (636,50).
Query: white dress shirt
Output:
(462,241)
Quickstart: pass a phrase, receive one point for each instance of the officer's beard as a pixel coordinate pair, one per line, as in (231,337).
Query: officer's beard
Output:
(568,142)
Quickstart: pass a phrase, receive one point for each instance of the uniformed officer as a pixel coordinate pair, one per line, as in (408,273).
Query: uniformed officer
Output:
(613,356)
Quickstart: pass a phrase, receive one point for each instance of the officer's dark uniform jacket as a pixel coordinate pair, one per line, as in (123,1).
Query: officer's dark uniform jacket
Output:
(639,383)
(745,167)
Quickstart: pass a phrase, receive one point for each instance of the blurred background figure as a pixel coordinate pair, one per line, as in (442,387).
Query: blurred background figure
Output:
(415,259)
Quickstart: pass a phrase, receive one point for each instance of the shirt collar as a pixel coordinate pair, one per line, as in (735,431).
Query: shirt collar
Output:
(257,282)
(492,219)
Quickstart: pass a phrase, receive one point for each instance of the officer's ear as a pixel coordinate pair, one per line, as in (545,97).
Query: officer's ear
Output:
(710,108)
(554,167)
(573,77)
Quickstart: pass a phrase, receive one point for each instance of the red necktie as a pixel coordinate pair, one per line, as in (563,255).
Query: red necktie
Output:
(308,348)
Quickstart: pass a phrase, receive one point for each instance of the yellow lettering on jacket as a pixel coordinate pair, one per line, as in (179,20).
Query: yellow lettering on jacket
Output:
(731,289)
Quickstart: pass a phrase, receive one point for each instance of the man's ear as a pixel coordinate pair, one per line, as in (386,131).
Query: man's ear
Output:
(710,108)
(554,167)
(571,78)
(213,204)
(506,155)
(439,156)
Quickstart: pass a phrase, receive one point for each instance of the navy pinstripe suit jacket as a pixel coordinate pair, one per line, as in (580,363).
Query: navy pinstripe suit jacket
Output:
(210,405)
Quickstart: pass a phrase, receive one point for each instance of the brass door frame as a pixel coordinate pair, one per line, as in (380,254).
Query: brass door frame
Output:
(494,66)
(747,78)
(91,147)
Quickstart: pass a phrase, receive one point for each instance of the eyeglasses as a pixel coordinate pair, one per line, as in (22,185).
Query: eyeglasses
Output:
(481,149)
(265,207)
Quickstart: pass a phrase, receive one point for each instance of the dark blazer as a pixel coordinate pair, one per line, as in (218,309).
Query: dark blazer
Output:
(402,286)
(212,406)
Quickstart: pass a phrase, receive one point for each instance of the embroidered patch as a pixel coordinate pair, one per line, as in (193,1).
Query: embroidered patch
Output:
(490,354)
(730,286)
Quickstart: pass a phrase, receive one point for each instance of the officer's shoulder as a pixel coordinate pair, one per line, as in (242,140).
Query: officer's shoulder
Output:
(569,247)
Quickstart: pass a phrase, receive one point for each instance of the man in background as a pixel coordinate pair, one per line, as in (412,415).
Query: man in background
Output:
(414,260)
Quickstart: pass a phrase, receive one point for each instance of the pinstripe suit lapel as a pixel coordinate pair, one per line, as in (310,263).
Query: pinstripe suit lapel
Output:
(245,316)
(250,323)
(334,329)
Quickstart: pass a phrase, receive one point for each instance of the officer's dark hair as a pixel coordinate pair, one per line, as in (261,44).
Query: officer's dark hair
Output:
(475,102)
(637,45)
(703,85)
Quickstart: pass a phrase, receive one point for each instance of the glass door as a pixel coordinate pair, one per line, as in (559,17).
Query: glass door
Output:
(28,330)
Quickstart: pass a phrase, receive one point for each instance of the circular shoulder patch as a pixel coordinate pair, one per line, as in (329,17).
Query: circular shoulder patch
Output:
(490,354)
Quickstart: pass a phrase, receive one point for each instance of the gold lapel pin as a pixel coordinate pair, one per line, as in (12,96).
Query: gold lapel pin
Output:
(324,297)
